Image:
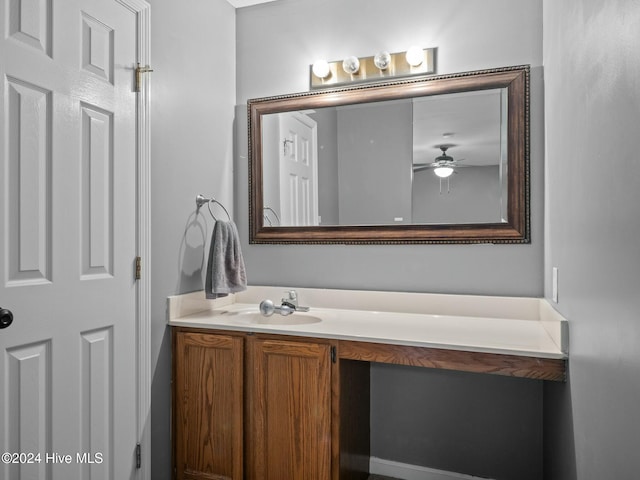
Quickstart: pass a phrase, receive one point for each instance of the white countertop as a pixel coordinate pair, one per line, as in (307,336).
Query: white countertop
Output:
(502,325)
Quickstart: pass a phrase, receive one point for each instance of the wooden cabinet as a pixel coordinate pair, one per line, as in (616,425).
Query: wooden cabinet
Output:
(289,410)
(251,406)
(273,407)
(265,406)
(208,406)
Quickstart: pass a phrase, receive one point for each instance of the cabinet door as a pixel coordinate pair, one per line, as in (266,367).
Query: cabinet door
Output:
(208,406)
(289,410)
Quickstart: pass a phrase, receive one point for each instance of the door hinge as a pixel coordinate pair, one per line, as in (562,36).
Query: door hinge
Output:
(139,71)
(138,456)
(138,268)
(334,355)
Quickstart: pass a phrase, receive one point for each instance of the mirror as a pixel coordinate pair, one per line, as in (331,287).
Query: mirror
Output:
(369,164)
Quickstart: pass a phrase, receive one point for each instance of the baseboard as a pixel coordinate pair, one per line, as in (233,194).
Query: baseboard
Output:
(405,471)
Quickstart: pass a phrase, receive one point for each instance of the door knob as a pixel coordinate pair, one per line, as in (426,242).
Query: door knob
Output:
(6,317)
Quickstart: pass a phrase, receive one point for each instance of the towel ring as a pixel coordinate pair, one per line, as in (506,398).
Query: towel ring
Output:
(201,200)
(266,215)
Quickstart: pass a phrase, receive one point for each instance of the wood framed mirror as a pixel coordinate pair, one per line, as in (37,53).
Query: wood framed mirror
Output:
(368,164)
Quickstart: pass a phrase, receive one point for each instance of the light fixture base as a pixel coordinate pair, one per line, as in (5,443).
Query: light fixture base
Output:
(368,71)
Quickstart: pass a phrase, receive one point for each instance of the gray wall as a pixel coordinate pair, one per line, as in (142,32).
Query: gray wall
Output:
(487,426)
(192,98)
(592,72)
(374,162)
(328,197)
(474,196)
(276,42)
(271,158)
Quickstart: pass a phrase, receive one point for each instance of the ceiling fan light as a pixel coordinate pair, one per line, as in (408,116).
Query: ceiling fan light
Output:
(443,172)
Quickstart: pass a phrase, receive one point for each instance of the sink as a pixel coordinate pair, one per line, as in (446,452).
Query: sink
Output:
(251,317)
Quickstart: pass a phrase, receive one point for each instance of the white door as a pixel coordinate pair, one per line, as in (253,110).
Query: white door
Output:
(68,240)
(298,170)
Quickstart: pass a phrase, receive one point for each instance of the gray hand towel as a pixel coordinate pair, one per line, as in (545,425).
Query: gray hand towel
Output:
(225,267)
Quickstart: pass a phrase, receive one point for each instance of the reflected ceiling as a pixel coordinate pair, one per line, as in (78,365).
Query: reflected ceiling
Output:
(464,121)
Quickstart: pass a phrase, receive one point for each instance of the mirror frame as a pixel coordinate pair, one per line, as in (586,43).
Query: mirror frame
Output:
(515,230)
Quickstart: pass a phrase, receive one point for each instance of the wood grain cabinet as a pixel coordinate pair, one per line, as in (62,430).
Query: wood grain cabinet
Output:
(289,410)
(273,407)
(208,406)
(251,407)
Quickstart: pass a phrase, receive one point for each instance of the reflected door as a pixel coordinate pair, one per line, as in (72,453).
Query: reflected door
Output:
(298,170)
(67,243)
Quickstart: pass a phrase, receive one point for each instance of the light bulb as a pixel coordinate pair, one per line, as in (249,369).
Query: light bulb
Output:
(382,60)
(414,56)
(443,172)
(351,65)
(321,69)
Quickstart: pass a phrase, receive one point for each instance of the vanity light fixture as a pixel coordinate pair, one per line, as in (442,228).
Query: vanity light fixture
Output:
(351,65)
(321,69)
(383,66)
(382,60)
(415,56)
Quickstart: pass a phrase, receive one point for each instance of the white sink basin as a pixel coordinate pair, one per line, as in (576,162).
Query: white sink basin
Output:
(251,317)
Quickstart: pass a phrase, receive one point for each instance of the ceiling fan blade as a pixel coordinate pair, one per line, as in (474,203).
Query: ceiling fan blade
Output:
(427,165)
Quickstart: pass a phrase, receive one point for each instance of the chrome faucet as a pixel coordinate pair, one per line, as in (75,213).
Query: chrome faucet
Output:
(288,305)
(292,301)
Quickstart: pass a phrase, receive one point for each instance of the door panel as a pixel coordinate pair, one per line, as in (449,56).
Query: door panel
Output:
(97,191)
(29,182)
(68,238)
(298,170)
(289,411)
(28,398)
(208,406)
(30,23)
(96,405)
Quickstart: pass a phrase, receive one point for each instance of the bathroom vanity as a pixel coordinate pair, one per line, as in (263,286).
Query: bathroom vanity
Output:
(288,396)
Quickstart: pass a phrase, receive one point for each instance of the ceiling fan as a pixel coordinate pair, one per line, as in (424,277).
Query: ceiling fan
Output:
(443,166)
